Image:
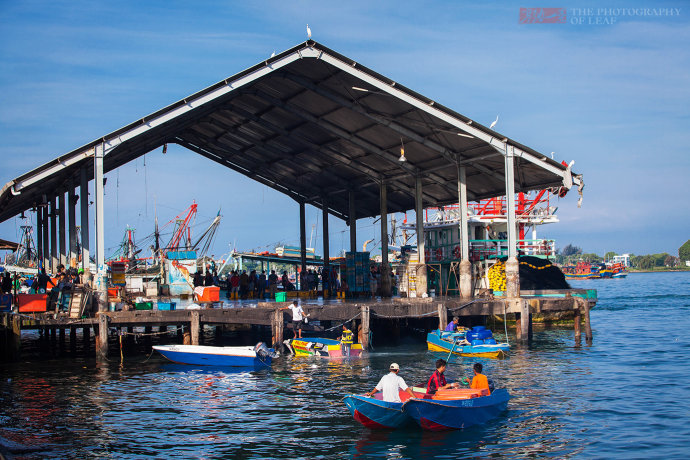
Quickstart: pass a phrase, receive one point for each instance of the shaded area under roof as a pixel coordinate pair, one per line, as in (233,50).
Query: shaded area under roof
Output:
(312,123)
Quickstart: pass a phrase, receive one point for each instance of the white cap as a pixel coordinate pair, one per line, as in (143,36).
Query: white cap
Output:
(395,367)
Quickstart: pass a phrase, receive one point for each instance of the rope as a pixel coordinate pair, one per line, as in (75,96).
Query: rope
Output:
(431,313)
(142,334)
(341,324)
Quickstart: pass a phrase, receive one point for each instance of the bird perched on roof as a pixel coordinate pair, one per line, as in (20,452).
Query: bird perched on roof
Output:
(273,54)
(494,123)
(308,32)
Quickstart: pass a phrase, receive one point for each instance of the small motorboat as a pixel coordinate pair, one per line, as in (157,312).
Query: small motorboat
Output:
(373,412)
(457,408)
(477,342)
(316,346)
(258,356)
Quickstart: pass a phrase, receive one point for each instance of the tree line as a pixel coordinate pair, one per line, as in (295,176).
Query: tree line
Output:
(571,254)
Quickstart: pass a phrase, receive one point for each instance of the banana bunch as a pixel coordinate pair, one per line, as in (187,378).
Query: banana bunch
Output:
(497,276)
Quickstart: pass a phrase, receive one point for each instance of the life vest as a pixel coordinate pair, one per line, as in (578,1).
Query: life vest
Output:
(347,336)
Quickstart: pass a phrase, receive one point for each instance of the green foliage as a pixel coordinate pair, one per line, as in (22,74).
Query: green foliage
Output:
(609,255)
(570,250)
(684,251)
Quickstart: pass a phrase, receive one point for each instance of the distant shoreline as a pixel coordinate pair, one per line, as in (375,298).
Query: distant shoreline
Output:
(661,270)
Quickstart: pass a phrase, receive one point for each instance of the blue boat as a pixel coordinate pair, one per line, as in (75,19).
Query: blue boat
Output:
(374,412)
(258,356)
(454,414)
(477,342)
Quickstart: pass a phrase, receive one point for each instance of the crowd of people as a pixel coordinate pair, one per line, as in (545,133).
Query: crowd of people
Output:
(58,287)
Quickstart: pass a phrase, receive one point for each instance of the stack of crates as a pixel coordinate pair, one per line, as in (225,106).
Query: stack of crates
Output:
(357,271)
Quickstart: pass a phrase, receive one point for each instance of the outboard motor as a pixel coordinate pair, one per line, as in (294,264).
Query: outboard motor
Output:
(262,351)
(491,386)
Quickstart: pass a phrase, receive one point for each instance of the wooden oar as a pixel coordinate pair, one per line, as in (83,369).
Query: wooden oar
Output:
(451,350)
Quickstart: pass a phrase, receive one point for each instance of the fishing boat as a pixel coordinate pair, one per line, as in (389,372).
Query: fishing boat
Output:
(477,342)
(258,356)
(456,409)
(316,346)
(373,412)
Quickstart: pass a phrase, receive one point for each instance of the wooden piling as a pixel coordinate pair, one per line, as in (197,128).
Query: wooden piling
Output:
(588,325)
(86,335)
(61,336)
(364,310)
(14,336)
(525,321)
(442,316)
(577,319)
(102,340)
(194,327)
(518,327)
(277,328)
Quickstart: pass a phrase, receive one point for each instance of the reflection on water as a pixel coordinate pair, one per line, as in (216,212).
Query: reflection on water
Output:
(626,395)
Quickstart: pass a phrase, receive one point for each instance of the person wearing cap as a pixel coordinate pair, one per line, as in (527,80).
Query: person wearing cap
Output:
(391,384)
(297,318)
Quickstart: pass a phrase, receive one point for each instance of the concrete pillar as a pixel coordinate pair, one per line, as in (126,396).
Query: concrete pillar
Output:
(101,286)
(352,221)
(84,216)
(277,328)
(39,235)
(72,224)
(61,228)
(525,321)
(364,312)
(46,233)
(195,327)
(512,265)
(421,273)
(102,342)
(466,287)
(302,240)
(326,243)
(385,269)
(442,316)
(53,235)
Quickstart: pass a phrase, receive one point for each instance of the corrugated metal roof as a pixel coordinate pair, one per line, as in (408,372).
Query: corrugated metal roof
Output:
(309,123)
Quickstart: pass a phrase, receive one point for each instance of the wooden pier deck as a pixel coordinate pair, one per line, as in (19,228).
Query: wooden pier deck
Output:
(364,311)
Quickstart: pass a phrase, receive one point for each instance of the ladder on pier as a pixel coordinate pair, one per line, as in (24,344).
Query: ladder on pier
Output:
(79,300)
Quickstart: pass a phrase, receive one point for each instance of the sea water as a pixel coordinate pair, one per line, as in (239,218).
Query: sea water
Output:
(626,396)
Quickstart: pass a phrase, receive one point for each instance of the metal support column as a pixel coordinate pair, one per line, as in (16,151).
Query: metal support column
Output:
(53,235)
(385,269)
(62,227)
(419,216)
(46,232)
(84,216)
(326,243)
(72,224)
(353,221)
(512,266)
(466,290)
(100,229)
(302,240)
(39,236)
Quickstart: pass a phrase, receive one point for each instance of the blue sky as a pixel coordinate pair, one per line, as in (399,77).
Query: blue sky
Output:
(613,97)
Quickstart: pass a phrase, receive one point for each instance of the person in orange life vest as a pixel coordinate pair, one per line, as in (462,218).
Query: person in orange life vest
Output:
(479,381)
(437,381)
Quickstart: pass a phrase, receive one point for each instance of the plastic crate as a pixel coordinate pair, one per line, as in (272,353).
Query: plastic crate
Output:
(143,306)
(167,306)
(281,296)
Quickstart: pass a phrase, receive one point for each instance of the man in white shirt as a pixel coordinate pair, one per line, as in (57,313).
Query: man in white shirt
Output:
(297,318)
(390,384)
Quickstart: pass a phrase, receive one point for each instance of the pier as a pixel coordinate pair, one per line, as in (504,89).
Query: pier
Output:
(367,315)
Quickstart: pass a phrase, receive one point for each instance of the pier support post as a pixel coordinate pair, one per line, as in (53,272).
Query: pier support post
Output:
(512,265)
(326,248)
(102,341)
(61,229)
(194,327)
(277,328)
(577,318)
(72,224)
(385,269)
(101,288)
(46,235)
(525,321)
(39,236)
(53,235)
(352,219)
(588,325)
(14,336)
(84,217)
(364,311)
(86,335)
(302,242)
(466,287)
(512,278)
(421,273)
(442,316)
(73,336)
(61,336)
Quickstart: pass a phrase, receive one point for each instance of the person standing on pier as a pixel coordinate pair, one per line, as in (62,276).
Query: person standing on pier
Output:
(391,384)
(272,284)
(297,318)
(262,285)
